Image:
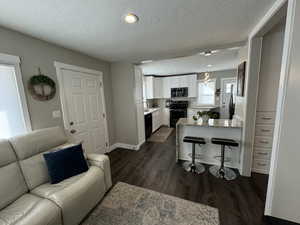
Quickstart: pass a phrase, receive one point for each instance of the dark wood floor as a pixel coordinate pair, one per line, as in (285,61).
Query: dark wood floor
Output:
(240,202)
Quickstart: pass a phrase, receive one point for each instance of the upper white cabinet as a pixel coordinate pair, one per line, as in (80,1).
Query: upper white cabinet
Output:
(166,82)
(157,87)
(160,87)
(149,87)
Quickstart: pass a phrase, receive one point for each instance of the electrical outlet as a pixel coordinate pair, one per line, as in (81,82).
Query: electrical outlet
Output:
(56,114)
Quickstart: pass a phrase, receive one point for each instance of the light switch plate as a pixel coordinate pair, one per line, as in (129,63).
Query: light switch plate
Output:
(56,114)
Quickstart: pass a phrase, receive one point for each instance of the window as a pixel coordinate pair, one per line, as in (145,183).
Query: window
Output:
(206,92)
(14,118)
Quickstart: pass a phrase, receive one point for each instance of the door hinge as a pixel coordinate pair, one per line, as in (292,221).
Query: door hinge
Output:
(100,84)
(106,144)
(103,115)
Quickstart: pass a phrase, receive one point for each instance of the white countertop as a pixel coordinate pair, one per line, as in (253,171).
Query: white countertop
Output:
(150,110)
(203,107)
(221,123)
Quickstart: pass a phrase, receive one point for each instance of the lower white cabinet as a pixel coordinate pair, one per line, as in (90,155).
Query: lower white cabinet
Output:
(166,117)
(156,120)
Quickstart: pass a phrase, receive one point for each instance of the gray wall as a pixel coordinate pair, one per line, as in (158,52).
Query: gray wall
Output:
(35,53)
(219,75)
(240,101)
(124,107)
(284,184)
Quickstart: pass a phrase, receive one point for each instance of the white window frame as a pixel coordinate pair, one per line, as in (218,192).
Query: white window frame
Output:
(202,81)
(14,61)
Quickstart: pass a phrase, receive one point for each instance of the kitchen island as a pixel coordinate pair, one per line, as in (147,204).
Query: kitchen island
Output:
(209,153)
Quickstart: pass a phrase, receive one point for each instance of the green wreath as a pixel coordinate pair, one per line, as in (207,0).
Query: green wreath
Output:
(41,81)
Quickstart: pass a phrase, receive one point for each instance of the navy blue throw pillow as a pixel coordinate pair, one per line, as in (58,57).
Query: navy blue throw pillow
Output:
(65,163)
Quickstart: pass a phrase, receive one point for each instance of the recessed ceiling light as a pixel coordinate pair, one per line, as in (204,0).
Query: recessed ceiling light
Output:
(147,61)
(209,53)
(131,18)
(209,65)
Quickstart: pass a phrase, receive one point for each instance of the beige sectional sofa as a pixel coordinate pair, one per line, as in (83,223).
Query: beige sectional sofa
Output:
(27,197)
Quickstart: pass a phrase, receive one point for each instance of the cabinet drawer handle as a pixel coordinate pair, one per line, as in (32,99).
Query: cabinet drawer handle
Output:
(264,142)
(261,164)
(267,118)
(262,153)
(265,130)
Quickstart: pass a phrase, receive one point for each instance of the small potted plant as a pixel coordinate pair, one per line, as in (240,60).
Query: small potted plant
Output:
(195,117)
(205,115)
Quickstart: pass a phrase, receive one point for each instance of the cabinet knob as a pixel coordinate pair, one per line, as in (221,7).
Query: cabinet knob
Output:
(73,131)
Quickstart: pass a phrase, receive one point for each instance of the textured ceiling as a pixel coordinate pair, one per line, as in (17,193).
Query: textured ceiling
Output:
(166,28)
(223,60)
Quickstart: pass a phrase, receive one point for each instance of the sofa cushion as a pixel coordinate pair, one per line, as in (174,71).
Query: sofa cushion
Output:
(77,195)
(29,149)
(38,141)
(12,184)
(65,163)
(7,154)
(31,210)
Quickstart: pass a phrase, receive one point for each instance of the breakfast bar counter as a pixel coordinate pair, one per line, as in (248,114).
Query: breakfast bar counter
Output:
(209,153)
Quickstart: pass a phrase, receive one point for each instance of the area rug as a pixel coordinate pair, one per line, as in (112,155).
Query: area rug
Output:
(161,135)
(130,205)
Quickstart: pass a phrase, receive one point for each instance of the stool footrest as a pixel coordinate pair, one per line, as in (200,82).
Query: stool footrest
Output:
(194,140)
(225,173)
(224,141)
(195,168)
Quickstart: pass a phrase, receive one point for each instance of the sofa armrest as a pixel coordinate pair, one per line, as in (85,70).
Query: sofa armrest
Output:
(101,161)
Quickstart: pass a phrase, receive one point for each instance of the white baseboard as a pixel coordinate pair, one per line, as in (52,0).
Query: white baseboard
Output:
(126,146)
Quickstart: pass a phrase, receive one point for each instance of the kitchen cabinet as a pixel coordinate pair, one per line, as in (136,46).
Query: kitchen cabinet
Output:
(149,80)
(166,117)
(156,120)
(166,86)
(160,87)
(154,87)
(157,87)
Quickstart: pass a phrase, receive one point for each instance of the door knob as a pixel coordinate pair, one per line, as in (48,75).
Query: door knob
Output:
(73,131)
(71,123)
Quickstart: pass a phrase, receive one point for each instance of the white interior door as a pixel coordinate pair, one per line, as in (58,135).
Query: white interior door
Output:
(226,84)
(84,110)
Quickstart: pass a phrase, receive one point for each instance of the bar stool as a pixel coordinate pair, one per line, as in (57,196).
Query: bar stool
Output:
(193,166)
(221,171)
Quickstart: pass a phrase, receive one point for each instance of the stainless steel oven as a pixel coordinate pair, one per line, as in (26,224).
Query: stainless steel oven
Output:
(178,109)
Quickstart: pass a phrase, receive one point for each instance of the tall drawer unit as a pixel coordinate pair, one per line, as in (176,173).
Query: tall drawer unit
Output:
(261,166)
(263,141)
(264,130)
(265,117)
(262,153)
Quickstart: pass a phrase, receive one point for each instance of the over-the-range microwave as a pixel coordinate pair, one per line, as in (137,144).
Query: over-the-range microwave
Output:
(179,92)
